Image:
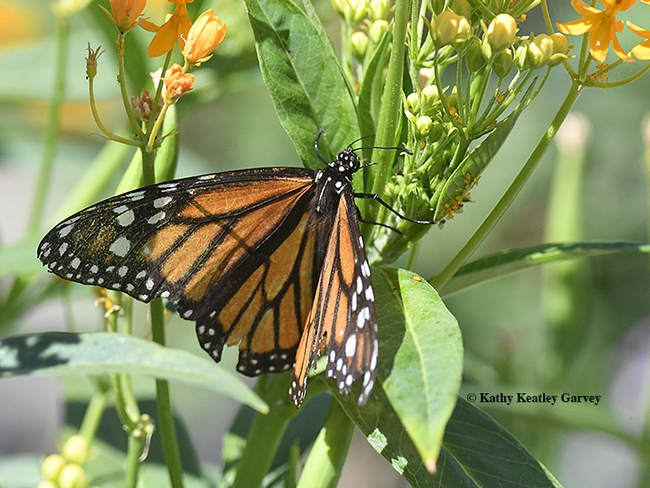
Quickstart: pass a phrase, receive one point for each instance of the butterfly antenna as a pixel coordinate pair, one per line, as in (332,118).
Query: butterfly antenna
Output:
(320,156)
(397,148)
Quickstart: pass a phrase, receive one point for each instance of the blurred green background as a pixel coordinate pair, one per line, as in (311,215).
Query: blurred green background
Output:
(582,328)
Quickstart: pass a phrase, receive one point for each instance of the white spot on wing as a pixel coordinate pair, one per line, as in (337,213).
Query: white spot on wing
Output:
(120,246)
(162,201)
(66,230)
(351,346)
(154,219)
(126,218)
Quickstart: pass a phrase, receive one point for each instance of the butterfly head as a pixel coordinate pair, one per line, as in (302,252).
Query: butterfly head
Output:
(346,163)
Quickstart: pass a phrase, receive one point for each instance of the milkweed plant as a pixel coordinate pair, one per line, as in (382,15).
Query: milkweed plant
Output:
(445,80)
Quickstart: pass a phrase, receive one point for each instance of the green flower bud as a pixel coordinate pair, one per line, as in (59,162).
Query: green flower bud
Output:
(474,57)
(412,103)
(539,52)
(501,32)
(450,28)
(359,44)
(379,9)
(73,476)
(75,449)
(377,29)
(560,43)
(51,466)
(423,126)
(353,11)
(503,63)
(430,98)
(436,132)
(560,48)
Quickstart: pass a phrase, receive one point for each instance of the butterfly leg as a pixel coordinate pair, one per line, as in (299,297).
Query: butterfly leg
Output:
(378,199)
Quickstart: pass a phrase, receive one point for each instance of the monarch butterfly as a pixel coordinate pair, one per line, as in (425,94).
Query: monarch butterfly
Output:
(270,259)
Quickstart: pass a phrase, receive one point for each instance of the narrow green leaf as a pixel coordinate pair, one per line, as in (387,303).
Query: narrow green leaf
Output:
(101,353)
(303,75)
(372,85)
(506,262)
(425,345)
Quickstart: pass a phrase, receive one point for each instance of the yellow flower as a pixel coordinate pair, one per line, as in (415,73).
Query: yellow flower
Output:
(175,28)
(177,82)
(124,13)
(601,24)
(203,37)
(642,50)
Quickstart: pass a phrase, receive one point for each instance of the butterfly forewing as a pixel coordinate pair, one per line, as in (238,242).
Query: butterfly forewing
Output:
(233,251)
(343,312)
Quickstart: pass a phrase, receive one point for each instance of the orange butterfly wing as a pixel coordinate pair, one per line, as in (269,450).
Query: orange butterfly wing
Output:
(342,313)
(233,251)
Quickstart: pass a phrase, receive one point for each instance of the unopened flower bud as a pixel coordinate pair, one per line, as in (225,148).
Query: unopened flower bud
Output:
(450,28)
(75,449)
(353,11)
(412,103)
(204,36)
(539,52)
(503,63)
(359,43)
(73,476)
(423,127)
(379,9)
(429,99)
(560,48)
(474,57)
(377,30)
(501,32)
(52,465)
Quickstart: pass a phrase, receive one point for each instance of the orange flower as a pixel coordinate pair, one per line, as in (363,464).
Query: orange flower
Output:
(175,28)
(642,50)
(601,24)
(177,82)
(203,37)
(124,13)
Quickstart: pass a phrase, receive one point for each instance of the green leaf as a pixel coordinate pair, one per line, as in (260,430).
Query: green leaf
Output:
(102,353)
(420,360)
(304,77)
(506,262)
(489,454)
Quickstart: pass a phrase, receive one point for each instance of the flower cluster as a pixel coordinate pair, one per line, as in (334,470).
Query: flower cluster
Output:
(196,40)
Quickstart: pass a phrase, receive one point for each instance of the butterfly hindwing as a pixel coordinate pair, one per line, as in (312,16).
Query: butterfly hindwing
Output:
(343,313)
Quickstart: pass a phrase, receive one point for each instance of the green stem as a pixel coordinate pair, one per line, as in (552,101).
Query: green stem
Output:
(126,101)
(133,451)
(265,433)
(450,270)
(95,411)
(391,103)
(50,142)
(327,457)
(171,452)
